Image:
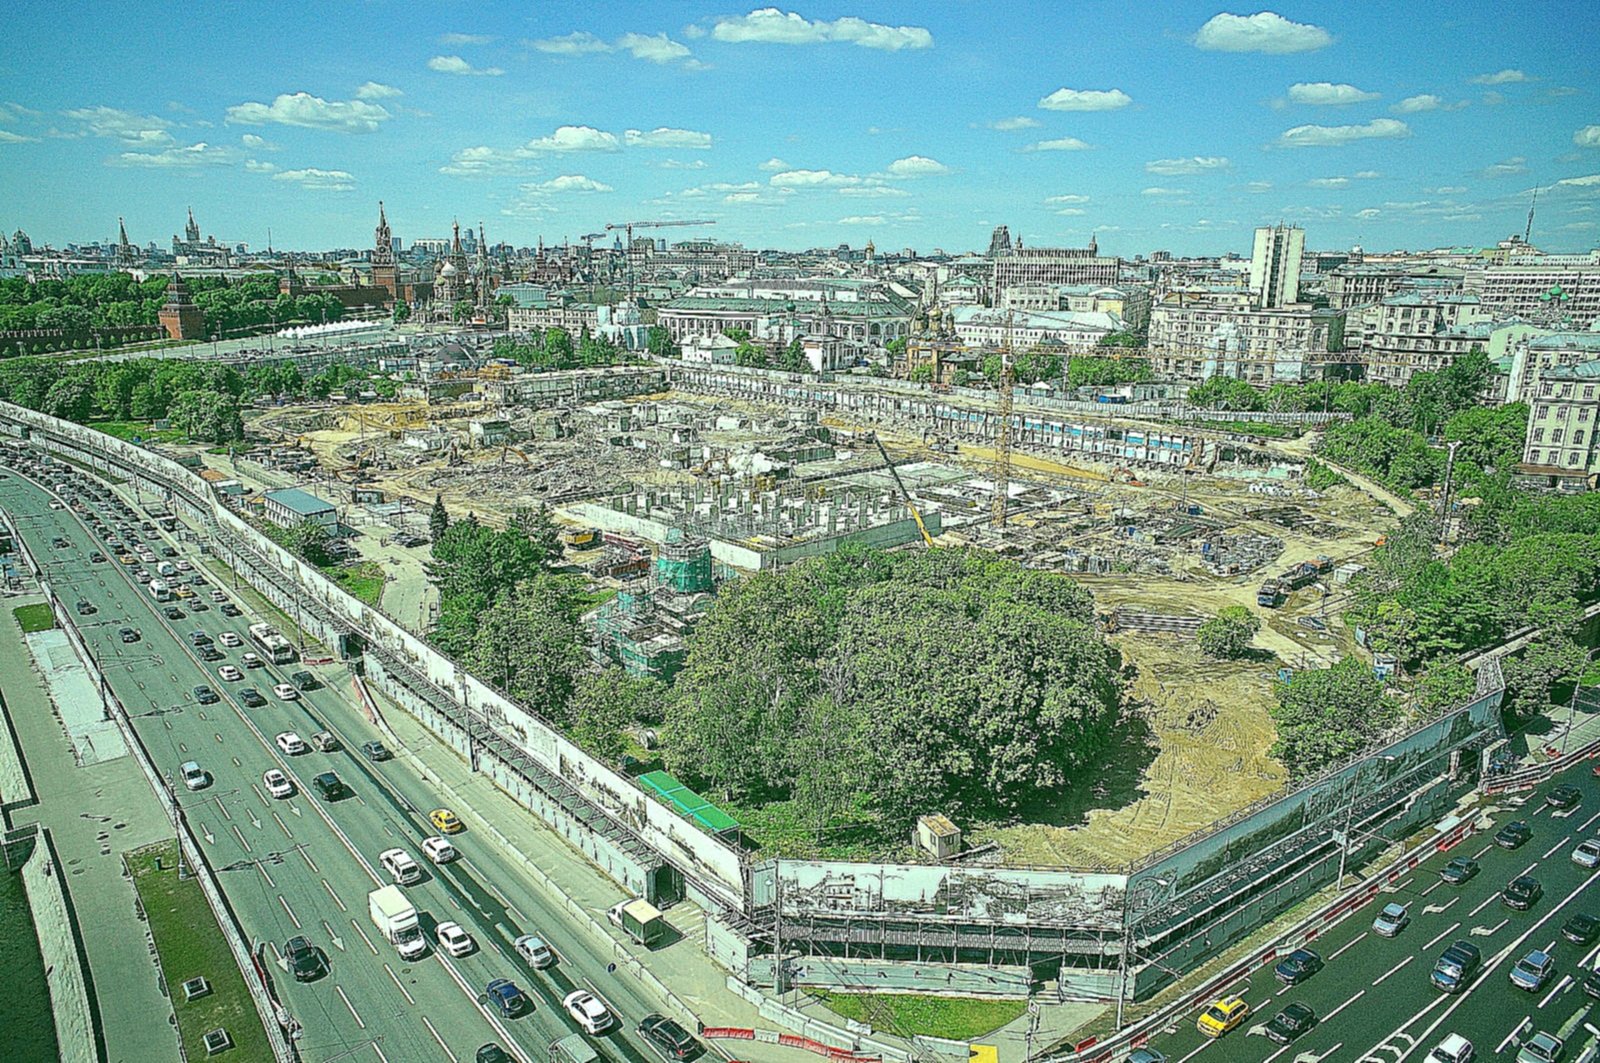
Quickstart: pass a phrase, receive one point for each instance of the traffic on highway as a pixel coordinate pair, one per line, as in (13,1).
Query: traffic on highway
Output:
(387,921)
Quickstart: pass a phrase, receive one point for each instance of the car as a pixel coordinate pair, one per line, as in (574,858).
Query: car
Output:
(285,692)
(454,940)
(1453,1049)
(324,742)
(291,743)
(1298,966)
(183,592)
(205,695)
(306,961)
(532,948)
(219,597)
(1563,798)
(173,613)
(438,850)
(230,673)
(1542,1047)
(251,697)
(197,606)
(507,999)
(1521,893)
(445,821)
(96,557)
(1461,869)
(375,750)
(167,551)
(1222,1015)
(1458,963)
(193,775)
(229,638)
(129,634)
(587,1011)
(491,1052)
(250,660)
(209,654)
(304,680)
(1587,854)
(1581,929)
(330,786)
(401,867)
(1290,1023)
(1393,919)
(1513,835)
(672,1039)
(1146,1055)
(85,607)
(277,784)
(1591,984)
(184,566)
(1533,970)
(232,610)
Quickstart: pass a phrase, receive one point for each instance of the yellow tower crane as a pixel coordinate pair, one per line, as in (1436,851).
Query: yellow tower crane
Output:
(628,226)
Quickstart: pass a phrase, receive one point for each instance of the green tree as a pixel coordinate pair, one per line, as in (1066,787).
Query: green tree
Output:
(209,416)
(922,374)
(1443,686)
(750,355)
(462,311)
(308,540)
(1227,636)
(538,525)
(529,644)
(605,704)
(402,311)
(438,519)
(792,358)
(658,341)
(1324,715)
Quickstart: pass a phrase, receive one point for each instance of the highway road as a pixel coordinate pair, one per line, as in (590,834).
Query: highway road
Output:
(1374,999)
(305,866)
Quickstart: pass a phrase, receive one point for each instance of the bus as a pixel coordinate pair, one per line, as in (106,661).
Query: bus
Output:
(274,647)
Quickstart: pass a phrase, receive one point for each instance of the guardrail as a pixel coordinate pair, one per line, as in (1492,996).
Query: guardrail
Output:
(1528,778)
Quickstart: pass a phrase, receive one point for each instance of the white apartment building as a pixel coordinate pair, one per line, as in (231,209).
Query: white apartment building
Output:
(1536,354)
(1411,332)
(1563,419)
(1285,345)
(1275,266)
(1543,292)
(1073,333)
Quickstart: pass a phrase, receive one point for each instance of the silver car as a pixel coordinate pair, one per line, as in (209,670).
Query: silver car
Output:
(1587,854)
(1393,919)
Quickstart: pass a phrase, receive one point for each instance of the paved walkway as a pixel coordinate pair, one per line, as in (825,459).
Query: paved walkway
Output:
(95,813)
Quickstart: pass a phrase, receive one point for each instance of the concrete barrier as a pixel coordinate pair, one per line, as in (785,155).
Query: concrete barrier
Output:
(65,972)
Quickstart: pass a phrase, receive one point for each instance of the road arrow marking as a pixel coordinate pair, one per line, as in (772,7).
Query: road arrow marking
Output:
(1434,909)
(295,809)
(334,939)
(1485,931)
(205,832)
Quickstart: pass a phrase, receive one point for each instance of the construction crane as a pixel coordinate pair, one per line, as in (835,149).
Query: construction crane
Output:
(1002,442)
(912,506)
(628,226)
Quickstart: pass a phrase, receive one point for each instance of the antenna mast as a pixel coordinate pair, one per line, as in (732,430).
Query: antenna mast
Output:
(1527,233)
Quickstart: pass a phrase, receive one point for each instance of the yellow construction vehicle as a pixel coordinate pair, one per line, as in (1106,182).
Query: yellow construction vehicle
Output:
(912,506)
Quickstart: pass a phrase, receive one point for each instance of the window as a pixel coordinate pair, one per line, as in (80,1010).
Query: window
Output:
(1555,437)
(1538,435)
(1533,457)
(1577,437)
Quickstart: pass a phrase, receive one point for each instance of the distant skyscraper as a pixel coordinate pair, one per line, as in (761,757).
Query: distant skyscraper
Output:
(999,241)
(1275,265)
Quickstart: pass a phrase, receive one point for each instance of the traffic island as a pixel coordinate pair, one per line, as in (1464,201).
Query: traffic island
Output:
(189,945)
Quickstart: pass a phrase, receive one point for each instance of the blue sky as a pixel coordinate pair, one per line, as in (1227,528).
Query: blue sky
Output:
(1172,125)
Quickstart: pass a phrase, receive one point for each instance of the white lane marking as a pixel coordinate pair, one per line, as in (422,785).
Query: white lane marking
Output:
(364,937)
(312,864)
(1588,822)
(1566,980)
(1527,1020)
(289,911)
(1433,887)
(1486,902)
(240,835)
(353,1013)
(1346,1004)
(262,867)
(381,1057)
(1346,945)
(1442,935)
(1556,846)
(1479,854)
(1196,1052)
(334,895)
(436,1037)
(1394,969)
(287,832)
(396,979)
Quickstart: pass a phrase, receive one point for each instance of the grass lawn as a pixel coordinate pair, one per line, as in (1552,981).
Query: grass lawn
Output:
(364,581)
(778,830)
(956,1018)
(190,943)
(141,430)
(1255,428)
(596,597)
(36,617)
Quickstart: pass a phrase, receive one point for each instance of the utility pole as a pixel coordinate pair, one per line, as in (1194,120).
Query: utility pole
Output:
(1444,500)
(1002,447)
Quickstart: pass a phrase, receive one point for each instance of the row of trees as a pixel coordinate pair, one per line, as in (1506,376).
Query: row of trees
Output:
(554,348)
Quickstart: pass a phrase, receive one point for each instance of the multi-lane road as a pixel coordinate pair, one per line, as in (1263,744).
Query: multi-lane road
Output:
(302,865)
(1373,997)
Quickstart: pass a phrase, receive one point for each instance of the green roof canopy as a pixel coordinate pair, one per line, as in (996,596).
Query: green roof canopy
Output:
(688,804)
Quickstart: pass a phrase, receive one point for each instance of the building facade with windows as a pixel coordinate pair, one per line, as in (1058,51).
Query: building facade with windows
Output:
(1264,347)
(1563,417)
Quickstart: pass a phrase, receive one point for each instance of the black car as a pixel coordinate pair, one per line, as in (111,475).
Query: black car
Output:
(1563,798)
(1591,984)
(304,680)
(375,750)
(85,607)
(672,1039)
(229,609)
(491,1053)
(252,698)
(1290,1023)
(167,551)
(210,653)
(1456,966)
(1513,835)
(129,634)
(1298,966)
(1459,870)
(173,613)
(199,607)
(96,557)
(205,695)
(1581,929)
(306,961)
(1522,892)
(199,638)
(330,786)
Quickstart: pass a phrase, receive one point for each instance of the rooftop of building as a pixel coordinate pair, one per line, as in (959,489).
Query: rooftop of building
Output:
(298,501)
(1037,319)
(1582,371)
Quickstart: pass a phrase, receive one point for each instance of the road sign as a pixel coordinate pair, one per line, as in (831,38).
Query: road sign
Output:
(982,1054)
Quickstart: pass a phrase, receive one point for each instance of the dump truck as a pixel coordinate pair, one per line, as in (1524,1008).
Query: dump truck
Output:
(640,920)
(397,921)
(1270,595)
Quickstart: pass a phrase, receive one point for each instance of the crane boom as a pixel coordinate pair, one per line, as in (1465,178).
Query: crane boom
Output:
(912,506)
(629,226)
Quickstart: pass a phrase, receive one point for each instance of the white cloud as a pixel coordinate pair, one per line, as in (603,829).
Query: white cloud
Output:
(1329,182)
(1367,175)
(768,25)
(1011,125)
(812,179)
(917,166)
(454,64)
(484,161)
(1448,190)
(1071,212)
(1370,212)
(1501,77)
(318,180)
(1067,199)
(1165,192)
(452,40)
(1514,165)
(312,112)
(8,137)
(1193,164)
(1059,144)
(255,143)
(667,138)
(579,43)
(374,90)
(1587,137)
(1259,186)
(873,191)
(256,166)
(773,165)
(742,197)
(1086,100)
(1417,104)
(1264,31)
(1327,94)
(201,154)
(571,182)
(1324,136)
(144,130)
(575,138)
(1587,181)
(864,219)
(682,164)
(656,49)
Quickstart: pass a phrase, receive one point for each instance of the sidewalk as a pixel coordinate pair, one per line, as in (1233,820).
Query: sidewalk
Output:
(95,813)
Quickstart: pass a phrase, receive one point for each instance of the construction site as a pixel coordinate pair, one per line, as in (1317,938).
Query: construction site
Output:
(668,487)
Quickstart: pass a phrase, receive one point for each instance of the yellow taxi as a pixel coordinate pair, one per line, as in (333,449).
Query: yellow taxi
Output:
(1222,1016)
(184,592)
(445,821)
(126,559)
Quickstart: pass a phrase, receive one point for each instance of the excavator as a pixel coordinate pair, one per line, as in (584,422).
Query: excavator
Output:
(912,506)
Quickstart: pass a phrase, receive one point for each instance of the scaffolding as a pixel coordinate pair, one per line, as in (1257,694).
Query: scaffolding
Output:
(683,564)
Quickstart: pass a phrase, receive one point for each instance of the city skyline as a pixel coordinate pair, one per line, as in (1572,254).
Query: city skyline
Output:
(809,126)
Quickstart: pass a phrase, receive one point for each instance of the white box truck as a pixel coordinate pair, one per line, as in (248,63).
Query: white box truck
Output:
(639,919)
(396,920)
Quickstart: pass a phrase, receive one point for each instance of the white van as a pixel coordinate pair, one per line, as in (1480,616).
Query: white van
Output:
(401,867)
(194,776)
(166,570)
